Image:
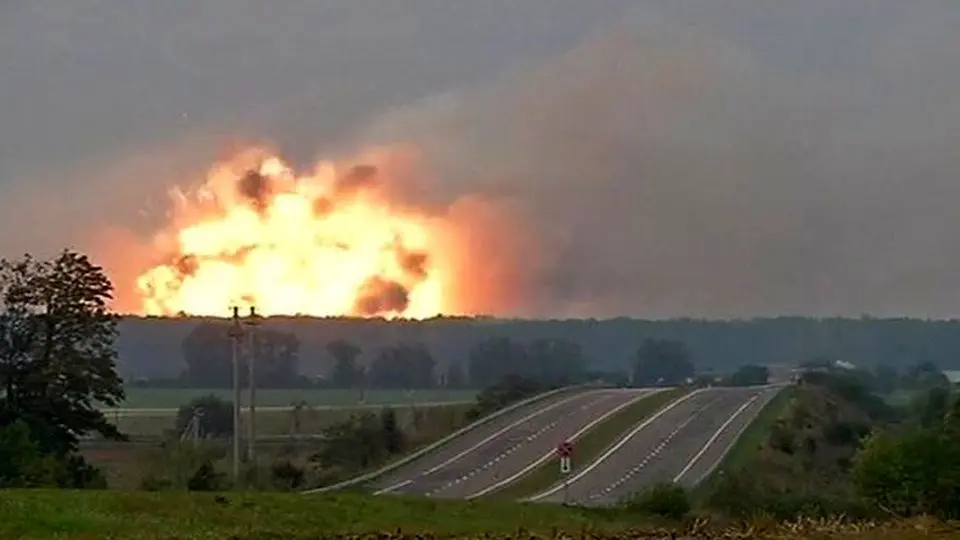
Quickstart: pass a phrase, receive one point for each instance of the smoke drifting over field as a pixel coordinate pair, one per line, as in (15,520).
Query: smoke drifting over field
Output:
(684,163)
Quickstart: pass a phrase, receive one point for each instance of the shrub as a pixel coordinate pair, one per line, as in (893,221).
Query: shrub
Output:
(666,500)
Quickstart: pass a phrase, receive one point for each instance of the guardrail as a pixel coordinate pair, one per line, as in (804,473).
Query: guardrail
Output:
(424,451)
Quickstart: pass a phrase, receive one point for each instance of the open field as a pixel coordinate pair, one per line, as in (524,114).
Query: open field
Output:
(124,463)
(172,398)
(92,515)
(277,421)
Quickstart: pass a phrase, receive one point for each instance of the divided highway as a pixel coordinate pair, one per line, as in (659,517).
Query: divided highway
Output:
(682,443)
(497,452)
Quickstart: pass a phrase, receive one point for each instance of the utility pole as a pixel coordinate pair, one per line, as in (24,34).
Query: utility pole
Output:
(252,321)
(236,334)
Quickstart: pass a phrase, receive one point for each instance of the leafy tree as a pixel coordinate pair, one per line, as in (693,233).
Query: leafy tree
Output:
(347,372)
(930,406)
(216,416)
(394,441)
(455,377)
(662,362)
(58,355)
(22,463)
(403,366)
(510,389)
(208,353)
(556,362)
(885,378)
(749,375)
(911,473)
(495,358)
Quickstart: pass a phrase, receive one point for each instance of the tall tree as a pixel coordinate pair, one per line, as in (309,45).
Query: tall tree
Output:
(556,361)
(208,353)
(347,371)
(662,362)
(455,378)
(495,358)
(408,365)
(58,354)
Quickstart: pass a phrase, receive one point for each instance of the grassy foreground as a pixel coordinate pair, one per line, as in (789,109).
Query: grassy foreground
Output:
(152,516)
(590,445)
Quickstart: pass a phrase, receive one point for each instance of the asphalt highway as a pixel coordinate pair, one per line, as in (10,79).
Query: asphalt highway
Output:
(682,443)
(500,451)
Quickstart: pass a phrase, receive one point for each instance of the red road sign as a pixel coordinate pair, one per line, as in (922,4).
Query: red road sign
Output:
(565,449)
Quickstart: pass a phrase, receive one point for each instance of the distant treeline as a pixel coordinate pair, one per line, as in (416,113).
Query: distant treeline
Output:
(154,347)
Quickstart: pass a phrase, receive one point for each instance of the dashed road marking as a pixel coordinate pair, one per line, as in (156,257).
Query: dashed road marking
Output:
(486,440)
(653,453)
(516,446)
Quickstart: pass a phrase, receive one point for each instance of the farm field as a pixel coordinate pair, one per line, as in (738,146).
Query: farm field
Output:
(34,514)
(172,398)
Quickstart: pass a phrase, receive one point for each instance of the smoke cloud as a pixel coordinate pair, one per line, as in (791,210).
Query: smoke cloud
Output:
(693,160)
(666,170)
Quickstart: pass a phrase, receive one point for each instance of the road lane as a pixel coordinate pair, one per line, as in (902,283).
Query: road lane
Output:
(502,452)
(665,446)
(467,442)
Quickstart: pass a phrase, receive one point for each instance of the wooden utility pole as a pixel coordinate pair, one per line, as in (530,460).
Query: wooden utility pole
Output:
(252,321)
(236,334)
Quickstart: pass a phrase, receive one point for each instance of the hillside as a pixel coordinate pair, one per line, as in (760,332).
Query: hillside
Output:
(150,347)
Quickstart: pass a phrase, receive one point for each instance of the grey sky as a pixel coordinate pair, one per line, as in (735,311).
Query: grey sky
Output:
(674,157)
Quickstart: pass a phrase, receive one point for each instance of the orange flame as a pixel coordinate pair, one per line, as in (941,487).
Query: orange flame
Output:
(326,243)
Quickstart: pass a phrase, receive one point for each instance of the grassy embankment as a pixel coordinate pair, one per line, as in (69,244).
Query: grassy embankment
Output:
(148,516)
(589,446)
(750,441)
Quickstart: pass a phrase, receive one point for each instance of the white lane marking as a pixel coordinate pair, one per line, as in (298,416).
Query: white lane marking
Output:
(655,453)
(487,440)
(640,395)
(713,438)
(610,451)
(516,446)
(773,393)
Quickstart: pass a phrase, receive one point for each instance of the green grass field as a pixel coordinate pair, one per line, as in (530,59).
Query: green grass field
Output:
(162,398)
(99,515)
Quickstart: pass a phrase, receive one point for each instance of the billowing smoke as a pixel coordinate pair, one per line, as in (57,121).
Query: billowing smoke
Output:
(670,171)
(728,159)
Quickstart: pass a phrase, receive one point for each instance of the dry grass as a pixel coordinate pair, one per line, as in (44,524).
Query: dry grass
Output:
(152,516)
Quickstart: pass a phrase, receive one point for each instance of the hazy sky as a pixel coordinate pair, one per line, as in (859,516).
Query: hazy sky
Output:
(673,157)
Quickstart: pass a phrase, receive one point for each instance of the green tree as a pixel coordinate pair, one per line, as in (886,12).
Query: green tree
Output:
(455,376)
(495,358)
(394,440)
(662,362)
(910,473)
(58,355)
(347,372)
(408,365)
(208,353)
(749,375)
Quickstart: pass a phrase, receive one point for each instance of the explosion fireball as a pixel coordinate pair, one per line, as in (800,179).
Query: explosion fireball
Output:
(325,243)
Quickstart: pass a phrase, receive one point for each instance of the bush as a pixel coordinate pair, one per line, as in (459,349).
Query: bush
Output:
(287,476)
(666,500)
(216,416)
(206,478)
